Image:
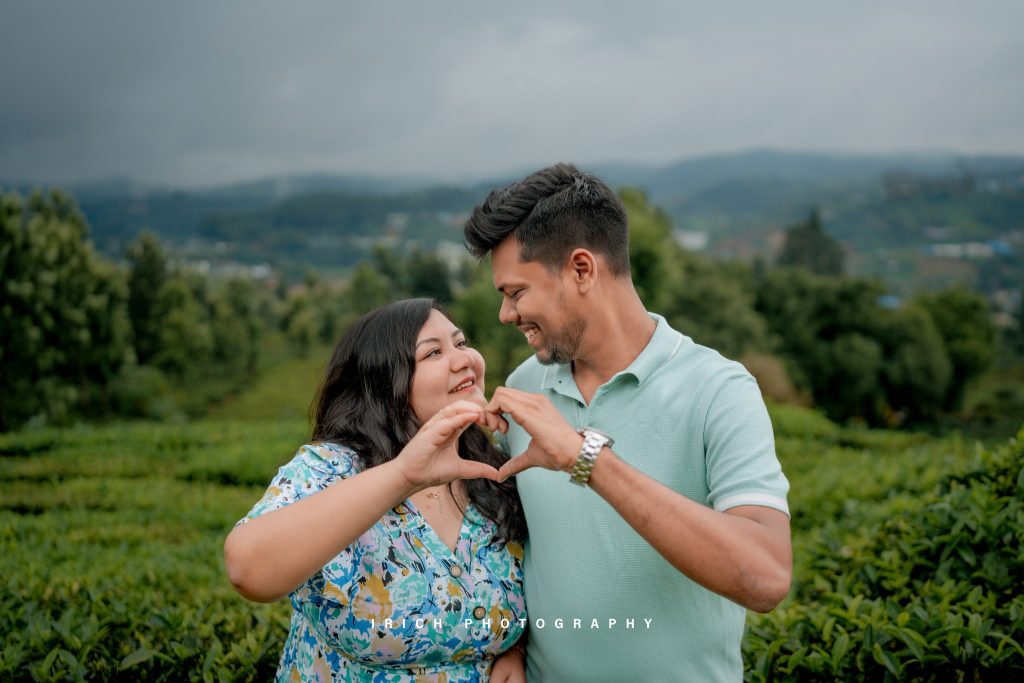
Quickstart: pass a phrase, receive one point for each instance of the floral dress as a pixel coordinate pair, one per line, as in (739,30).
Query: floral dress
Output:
(397,605)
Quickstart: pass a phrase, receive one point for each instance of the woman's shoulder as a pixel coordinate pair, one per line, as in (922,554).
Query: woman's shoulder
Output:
(329,458)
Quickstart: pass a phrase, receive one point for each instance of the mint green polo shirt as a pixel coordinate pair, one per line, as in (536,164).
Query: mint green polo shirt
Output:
(602,604)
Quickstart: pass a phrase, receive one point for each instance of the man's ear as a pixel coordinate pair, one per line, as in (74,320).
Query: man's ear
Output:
(582,267)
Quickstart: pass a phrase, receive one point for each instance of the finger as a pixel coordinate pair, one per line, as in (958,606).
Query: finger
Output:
(470,469)
(463,404)
(514,402)
(456,409)
(504,401)
(452,426)
(494,422)
(514,467)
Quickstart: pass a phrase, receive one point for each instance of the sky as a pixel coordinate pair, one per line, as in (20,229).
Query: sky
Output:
(189,93)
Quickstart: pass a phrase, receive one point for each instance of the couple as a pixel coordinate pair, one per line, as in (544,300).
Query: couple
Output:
(645,471)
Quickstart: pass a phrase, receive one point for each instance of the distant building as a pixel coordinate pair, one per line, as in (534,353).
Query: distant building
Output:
(962,250)
(691,240)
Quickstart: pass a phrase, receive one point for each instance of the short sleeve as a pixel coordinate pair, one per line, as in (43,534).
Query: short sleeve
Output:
(742,467)
(314,468)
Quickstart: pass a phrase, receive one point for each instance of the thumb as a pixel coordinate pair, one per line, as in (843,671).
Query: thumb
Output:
(515,466)
(470,469)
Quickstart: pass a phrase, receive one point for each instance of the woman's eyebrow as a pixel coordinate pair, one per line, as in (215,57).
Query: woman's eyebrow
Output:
(435,340)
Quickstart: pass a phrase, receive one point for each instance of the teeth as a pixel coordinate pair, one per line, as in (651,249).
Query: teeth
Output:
(467,383)
(530,333)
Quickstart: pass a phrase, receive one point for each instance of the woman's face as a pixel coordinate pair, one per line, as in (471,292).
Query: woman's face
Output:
(446,369)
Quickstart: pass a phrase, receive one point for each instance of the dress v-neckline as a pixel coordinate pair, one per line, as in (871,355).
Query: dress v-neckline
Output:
(434,537)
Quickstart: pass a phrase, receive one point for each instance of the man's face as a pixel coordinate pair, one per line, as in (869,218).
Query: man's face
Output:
(534,300)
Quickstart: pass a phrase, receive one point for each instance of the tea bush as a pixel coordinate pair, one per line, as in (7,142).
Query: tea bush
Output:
(930,591)
(110,549)
(907,555)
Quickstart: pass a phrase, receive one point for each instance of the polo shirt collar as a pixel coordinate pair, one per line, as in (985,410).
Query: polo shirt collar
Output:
(663,345)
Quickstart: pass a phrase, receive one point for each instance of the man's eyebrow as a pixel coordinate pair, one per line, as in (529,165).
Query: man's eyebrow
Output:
(435,340)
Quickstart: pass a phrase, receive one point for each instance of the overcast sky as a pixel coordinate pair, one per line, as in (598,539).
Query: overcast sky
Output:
(189,93)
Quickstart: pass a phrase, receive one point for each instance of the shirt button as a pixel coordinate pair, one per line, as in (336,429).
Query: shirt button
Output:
(455,570)
(479,612)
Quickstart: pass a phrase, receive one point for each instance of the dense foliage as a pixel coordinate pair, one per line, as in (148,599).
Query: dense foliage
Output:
(63,329)
(110,548)
(924,587)
(152,338)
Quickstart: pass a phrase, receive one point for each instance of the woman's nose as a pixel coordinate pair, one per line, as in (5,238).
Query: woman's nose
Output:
(461,359)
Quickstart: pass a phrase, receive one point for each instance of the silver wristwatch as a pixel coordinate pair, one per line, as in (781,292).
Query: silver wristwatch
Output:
(593,442)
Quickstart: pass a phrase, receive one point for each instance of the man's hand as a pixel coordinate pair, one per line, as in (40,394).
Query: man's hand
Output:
(555,445)
(509,667)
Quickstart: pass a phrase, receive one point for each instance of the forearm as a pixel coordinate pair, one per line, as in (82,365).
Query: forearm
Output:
(743,554)
(269,556)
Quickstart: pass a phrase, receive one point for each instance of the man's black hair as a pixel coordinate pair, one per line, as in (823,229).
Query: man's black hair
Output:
(550,213)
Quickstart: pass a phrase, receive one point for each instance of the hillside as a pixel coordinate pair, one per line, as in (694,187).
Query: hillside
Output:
(890,211)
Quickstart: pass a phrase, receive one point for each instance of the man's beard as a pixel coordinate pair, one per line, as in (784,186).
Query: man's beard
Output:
(562,349)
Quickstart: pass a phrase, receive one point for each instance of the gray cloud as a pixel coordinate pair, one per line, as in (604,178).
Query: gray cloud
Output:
(192,93)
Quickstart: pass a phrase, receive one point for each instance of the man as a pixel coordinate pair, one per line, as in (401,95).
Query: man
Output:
(645,571)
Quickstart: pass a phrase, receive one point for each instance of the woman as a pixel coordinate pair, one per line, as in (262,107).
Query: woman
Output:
(400,552)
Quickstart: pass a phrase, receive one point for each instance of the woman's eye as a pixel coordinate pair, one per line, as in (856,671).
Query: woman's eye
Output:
(462,343)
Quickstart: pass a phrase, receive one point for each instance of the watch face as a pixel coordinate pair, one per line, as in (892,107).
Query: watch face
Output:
(590,432)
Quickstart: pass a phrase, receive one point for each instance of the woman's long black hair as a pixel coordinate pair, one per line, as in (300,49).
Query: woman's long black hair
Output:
(364,404)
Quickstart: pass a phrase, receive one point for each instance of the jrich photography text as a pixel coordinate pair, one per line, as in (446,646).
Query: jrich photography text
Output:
(575,623)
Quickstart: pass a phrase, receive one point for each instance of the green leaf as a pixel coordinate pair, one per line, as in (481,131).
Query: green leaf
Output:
(141,655)
(886,660)
(839,649)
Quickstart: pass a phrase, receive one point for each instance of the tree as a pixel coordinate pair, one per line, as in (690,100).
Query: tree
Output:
(186,339)
(236,327)
(965,325)
(147,273)
(367,289)
(710,303)
(427,275)
(63,326)
(807,246)
(650,243)
(917,371)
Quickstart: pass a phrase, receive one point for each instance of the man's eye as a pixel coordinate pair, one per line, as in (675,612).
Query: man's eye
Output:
(516,295)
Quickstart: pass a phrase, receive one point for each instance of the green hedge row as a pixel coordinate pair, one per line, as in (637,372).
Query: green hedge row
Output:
(933,590)
(907,551)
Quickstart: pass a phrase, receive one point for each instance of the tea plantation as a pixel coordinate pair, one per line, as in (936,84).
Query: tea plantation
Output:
(908,555)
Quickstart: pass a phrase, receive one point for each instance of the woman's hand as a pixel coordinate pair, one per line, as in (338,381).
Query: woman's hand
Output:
(431,457)
(509,667)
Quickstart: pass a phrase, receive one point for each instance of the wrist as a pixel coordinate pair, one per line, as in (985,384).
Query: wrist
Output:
(593,443)
(572,452)
(405,484)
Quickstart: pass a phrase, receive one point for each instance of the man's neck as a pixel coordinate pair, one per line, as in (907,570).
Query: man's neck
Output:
(613,341)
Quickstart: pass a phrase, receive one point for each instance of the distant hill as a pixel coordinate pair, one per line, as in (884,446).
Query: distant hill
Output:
(877,205)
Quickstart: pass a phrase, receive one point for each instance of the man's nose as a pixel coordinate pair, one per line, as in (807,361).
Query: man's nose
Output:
(507,314)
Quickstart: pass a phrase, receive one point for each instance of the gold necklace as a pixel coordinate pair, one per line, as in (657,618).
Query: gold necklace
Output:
(436,496)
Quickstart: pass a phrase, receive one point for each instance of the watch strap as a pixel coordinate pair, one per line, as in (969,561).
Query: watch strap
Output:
(593,442)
